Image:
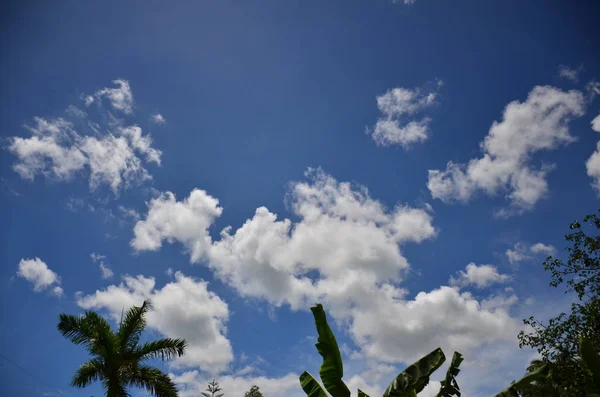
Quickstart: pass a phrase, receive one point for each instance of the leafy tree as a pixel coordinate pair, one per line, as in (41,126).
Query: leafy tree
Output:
(213,390)
(558,340)
(118,360)
(253,392)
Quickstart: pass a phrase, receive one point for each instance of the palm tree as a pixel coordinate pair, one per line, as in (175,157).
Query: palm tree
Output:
(118,360)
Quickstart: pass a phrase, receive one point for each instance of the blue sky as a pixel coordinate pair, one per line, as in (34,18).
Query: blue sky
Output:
(321,133)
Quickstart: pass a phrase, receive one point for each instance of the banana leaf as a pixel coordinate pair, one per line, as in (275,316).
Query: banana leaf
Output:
(449,385)
(311,387)
(332,368)
(362,393)
(416,376)
(511,391)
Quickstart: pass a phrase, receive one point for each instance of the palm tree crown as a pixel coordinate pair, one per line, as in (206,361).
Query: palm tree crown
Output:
(118,360)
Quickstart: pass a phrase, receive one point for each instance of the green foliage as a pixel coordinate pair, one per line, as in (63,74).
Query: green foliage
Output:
(253,392)
(558,340)
(537,375)
(408,383)
(449,385)
(213,390)
(591,360)
(117,359)
(311,387)
(416,376)
(332,368)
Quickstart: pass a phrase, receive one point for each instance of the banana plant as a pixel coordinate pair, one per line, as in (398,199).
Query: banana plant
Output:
(449,385)
(513,390)
(407,384)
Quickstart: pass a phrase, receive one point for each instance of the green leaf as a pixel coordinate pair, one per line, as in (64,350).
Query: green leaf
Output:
(540,373)
(332,368)
(449,385)
(416,376)
(362,393)
(311,387)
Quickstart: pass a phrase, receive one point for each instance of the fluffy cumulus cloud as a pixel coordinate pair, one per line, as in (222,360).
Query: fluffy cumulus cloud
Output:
(539,123)
(183,308)
(401,122)
(39,275)
(522,252)
(344,251)
(185,221)
(60,149)
(480,276)
(342,231)
(442,317)
(592,164)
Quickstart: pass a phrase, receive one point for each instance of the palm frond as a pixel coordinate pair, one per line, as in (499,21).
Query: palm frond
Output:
(103,338)
(76,329)
(88,372)
(133,324)
(153,380)
(166,349)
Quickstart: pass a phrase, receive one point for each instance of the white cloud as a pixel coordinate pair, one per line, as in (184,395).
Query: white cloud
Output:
(183,308)
(399,106)
(341,230)
(542,249)
(522,251)
(480,276)
(56,150)
(96,257)
(129,213)
(349,243)
(142,143)
(592,165)
(58,291)
(105,270)
(443,317)
(186,221)
(158,119)
(192,383)
(49,151)
(121,97)
(596,123)
(569,73)
(39,274)
(407,2)
(539,123)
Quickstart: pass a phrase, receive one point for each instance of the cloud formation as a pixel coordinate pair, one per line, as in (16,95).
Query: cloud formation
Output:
(39,275)
(539,123)
(59,148)
(592,165)
(344,251)
(480,276)
(120,97)
(158,119)
(522,251)
(398,124)
(183,308)
(569,73)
